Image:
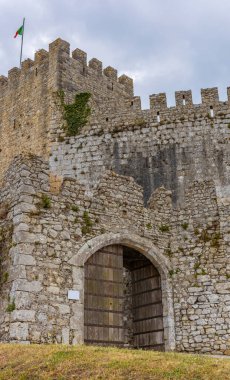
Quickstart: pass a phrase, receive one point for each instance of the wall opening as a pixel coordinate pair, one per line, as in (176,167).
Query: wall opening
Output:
(184,101)
(158,117)
(211,111)
(123,300)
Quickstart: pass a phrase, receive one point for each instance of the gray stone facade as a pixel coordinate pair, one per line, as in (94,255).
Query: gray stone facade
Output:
(155,180)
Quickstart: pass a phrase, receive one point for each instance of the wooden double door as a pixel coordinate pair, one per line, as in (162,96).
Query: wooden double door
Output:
(123,300)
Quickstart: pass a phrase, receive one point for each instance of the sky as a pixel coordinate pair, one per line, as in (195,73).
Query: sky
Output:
(164,45)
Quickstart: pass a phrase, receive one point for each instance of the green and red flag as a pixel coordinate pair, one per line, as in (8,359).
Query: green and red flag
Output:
(19,31)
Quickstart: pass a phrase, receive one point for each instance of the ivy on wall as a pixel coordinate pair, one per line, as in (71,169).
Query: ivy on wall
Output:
(75,114)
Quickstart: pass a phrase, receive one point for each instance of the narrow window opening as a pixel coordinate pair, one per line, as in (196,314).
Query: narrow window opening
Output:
(131,103)
(14,123)
(112,87)
(158,117)
(146,162)
(36,71)
(184,101)
(107,119)
(211,111)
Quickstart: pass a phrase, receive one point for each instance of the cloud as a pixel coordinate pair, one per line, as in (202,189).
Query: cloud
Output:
(166,45)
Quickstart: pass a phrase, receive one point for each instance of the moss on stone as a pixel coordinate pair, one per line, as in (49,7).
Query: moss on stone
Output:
(75,114)
(74,208)
(11,306)
(164,228)
(184,225)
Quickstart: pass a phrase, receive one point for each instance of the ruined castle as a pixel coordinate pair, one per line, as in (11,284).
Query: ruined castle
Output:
(118,234)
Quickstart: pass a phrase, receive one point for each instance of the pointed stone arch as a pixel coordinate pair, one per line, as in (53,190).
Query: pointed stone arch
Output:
(149,250)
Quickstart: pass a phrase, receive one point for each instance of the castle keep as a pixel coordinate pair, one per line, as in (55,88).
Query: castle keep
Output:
(119,234)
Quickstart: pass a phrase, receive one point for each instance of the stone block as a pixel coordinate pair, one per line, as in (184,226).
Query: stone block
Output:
(23,300)
(223,288)
(65,336)
(27,286)
(24,260)
(23,315)
(64,309)
(53,289)
(19,331)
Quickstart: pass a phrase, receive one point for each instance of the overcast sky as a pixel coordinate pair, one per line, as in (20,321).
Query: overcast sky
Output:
(165,45)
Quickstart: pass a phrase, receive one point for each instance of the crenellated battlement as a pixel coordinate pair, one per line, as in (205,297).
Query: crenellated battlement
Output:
(183,98)
(30,121)
(60,50)
(58,60)
(209,98)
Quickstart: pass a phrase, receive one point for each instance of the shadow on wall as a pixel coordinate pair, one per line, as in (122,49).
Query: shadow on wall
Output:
(172,167)
(151,172)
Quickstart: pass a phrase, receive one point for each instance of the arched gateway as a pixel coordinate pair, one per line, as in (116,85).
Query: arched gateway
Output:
(127,295)
(123,300)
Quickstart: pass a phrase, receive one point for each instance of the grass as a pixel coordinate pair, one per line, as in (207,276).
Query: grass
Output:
(59,362)
(45,201)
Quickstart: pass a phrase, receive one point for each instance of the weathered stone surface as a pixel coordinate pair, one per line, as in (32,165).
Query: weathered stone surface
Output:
(23,315)
(28,286)
(19,331)
(65,336)
(223,288)
(93,192)
(25,260)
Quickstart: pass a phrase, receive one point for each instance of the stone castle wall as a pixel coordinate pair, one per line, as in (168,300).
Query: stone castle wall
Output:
(191,248)
(120,135)
(157,180)
(155,154)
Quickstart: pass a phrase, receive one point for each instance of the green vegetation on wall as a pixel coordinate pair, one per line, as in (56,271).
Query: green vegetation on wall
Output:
(75,114)
(87,223)
(45,202)
(11,306)
(164,228)
(6,232)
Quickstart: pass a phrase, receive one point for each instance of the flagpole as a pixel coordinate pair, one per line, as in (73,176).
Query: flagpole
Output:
(22,41)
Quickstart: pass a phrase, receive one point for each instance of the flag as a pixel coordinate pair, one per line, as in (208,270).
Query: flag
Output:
(19,31)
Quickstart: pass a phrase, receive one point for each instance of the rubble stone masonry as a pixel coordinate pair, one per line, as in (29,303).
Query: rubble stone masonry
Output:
(156,180)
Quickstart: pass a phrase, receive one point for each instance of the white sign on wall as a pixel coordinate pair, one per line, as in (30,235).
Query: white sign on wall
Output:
(74,295)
